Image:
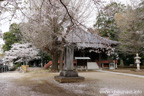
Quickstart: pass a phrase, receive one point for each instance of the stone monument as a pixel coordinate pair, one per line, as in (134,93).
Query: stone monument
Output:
(69,74)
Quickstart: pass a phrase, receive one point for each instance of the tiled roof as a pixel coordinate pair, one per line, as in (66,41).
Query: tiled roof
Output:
(83,38)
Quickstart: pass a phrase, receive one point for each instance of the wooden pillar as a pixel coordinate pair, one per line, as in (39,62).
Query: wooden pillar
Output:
(100,60)
(86,65)
(76,66)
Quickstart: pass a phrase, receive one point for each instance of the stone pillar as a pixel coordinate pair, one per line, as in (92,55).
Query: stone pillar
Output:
(138,66)
(116,65)
(69,74)
(68,58)
(68,63)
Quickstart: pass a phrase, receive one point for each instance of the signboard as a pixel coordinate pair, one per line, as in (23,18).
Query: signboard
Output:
(92,65)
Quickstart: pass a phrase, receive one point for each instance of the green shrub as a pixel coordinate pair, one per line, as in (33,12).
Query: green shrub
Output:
(18,65)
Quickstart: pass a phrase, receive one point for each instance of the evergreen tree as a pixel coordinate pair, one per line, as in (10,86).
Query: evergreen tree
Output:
(105,20)
(11,37)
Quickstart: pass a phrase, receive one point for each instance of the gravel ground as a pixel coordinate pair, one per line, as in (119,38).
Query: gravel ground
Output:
(40,82)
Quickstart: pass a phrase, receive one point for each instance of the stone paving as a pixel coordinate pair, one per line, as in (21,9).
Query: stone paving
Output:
(126,74)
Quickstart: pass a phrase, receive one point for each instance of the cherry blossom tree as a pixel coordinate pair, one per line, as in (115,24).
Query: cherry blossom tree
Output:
(22,53)
(48,27)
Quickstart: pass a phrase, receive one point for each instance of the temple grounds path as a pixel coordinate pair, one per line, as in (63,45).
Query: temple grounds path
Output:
(39,82)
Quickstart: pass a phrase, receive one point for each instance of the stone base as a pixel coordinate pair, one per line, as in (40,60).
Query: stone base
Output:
(63,79)
(69,73)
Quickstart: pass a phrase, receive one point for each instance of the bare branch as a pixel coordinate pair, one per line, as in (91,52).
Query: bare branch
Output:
(67,11)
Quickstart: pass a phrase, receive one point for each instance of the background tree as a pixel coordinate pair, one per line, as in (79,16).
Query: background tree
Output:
(11,37)
(45,57)
(131,33)
(131,36)
(105,23)
(140,13)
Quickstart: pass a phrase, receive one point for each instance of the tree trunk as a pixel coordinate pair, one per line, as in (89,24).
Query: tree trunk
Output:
(135,65)
(41,59)
(61,60)
(55,62)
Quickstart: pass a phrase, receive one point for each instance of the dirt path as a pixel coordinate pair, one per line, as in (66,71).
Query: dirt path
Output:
(129,70)
(40,82)
(115,85)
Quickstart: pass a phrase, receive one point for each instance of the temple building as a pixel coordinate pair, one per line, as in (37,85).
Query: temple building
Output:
(90,47)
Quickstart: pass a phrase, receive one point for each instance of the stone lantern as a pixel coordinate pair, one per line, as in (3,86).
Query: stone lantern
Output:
(137,61)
